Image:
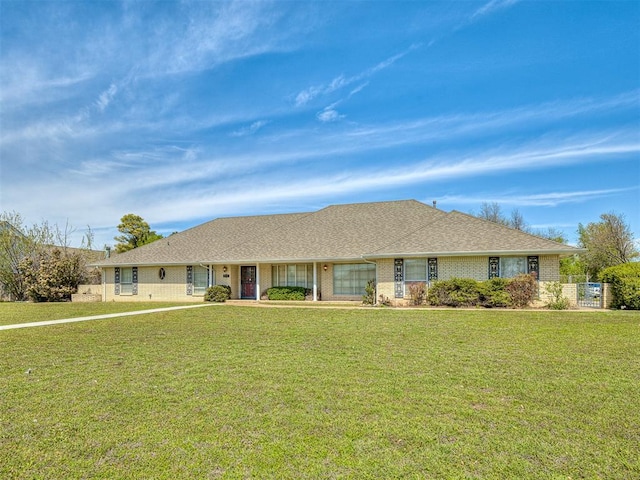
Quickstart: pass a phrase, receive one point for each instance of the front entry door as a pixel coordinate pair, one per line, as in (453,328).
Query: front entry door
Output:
(248,282)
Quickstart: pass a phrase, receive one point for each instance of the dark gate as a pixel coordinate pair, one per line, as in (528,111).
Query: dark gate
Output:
(589,295)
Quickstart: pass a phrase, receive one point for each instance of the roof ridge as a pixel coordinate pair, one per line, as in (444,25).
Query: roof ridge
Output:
(511,229)
(299,217)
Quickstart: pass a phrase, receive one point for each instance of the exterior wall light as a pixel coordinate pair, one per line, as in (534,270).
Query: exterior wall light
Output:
(224,269)
(324,267)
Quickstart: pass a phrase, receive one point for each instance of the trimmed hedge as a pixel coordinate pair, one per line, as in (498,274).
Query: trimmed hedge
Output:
(516,292)
(287,293)
(218,293)
(625,285)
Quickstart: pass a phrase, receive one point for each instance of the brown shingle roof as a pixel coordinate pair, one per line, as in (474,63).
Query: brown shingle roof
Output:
(338,232)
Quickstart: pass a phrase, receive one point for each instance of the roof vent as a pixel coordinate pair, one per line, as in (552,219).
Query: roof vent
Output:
(434,204)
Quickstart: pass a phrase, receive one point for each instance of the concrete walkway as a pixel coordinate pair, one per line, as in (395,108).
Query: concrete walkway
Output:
(100,317)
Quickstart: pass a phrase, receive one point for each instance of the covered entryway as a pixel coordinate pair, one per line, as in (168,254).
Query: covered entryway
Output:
(589,295)
(248,282)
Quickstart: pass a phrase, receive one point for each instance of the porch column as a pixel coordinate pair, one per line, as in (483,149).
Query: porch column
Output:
(211,273)
(257,281)
(315,281)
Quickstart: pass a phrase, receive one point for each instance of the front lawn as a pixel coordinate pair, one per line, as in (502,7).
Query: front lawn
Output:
(242,392)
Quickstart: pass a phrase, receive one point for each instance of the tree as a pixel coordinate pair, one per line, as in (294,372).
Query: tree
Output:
(53,275)
(492,212)
(21,245)
(135,233)
(17,242)
(609,242)
(517,220)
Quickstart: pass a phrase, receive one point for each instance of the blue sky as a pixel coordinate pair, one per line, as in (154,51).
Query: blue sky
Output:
(181,112)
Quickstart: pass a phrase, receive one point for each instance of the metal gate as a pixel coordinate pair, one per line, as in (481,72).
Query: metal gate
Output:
(589,295)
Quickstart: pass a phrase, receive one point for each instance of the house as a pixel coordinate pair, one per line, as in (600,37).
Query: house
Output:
(333,251)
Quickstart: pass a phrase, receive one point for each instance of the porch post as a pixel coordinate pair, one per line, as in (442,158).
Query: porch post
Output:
(257,281)
(315,281)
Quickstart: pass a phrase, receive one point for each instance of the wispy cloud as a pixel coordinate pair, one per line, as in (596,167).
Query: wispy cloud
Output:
(341,81)
(548,199)
(249,130)
(105,97)
(491,7)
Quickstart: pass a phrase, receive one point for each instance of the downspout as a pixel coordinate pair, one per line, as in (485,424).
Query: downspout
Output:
(373,263)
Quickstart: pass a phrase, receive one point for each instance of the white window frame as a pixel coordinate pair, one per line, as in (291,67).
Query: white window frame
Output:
(356,274)
(200,280)
(126,287)
(512,266)
(292,275)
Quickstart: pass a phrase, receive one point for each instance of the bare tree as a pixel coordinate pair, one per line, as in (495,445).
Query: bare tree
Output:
(492,212)
(517,220)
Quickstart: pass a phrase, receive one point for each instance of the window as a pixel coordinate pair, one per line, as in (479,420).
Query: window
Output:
(415,271)
(296,275)
(512,266)
(200,280)
(126,281)
(351,279)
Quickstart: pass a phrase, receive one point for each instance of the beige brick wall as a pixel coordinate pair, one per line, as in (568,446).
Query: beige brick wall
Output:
(549,268)
(463,267)
(386,282)
(172,288)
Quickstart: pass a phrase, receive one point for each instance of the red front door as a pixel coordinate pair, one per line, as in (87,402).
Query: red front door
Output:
(248,282)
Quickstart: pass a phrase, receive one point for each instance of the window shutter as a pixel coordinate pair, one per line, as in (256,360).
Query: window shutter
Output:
(117,281)
(398,275)
(432,269)
(533,265)
(494,267)
(134,280)
(189,280)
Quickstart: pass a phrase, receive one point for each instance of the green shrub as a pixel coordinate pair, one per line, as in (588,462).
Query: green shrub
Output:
(369,297)
(493,293)
(558,300)
(217,293)
(457,292)
(625,285)
(286,293)
(523,289)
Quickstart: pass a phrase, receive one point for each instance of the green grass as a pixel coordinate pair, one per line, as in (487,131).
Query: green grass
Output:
(241,392)
(13,313)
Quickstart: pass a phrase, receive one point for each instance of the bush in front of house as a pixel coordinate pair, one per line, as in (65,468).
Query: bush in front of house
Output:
(287,293)
(625,285)
(516,292)
(457,292)
(557,299)
(218,293)
(369,297)
(523,289)
(418,293)
(493,293)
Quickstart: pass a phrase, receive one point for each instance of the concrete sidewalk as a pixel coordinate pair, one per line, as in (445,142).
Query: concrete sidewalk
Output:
(100,317)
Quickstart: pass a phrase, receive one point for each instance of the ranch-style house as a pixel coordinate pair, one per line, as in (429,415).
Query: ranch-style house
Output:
(333,252)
